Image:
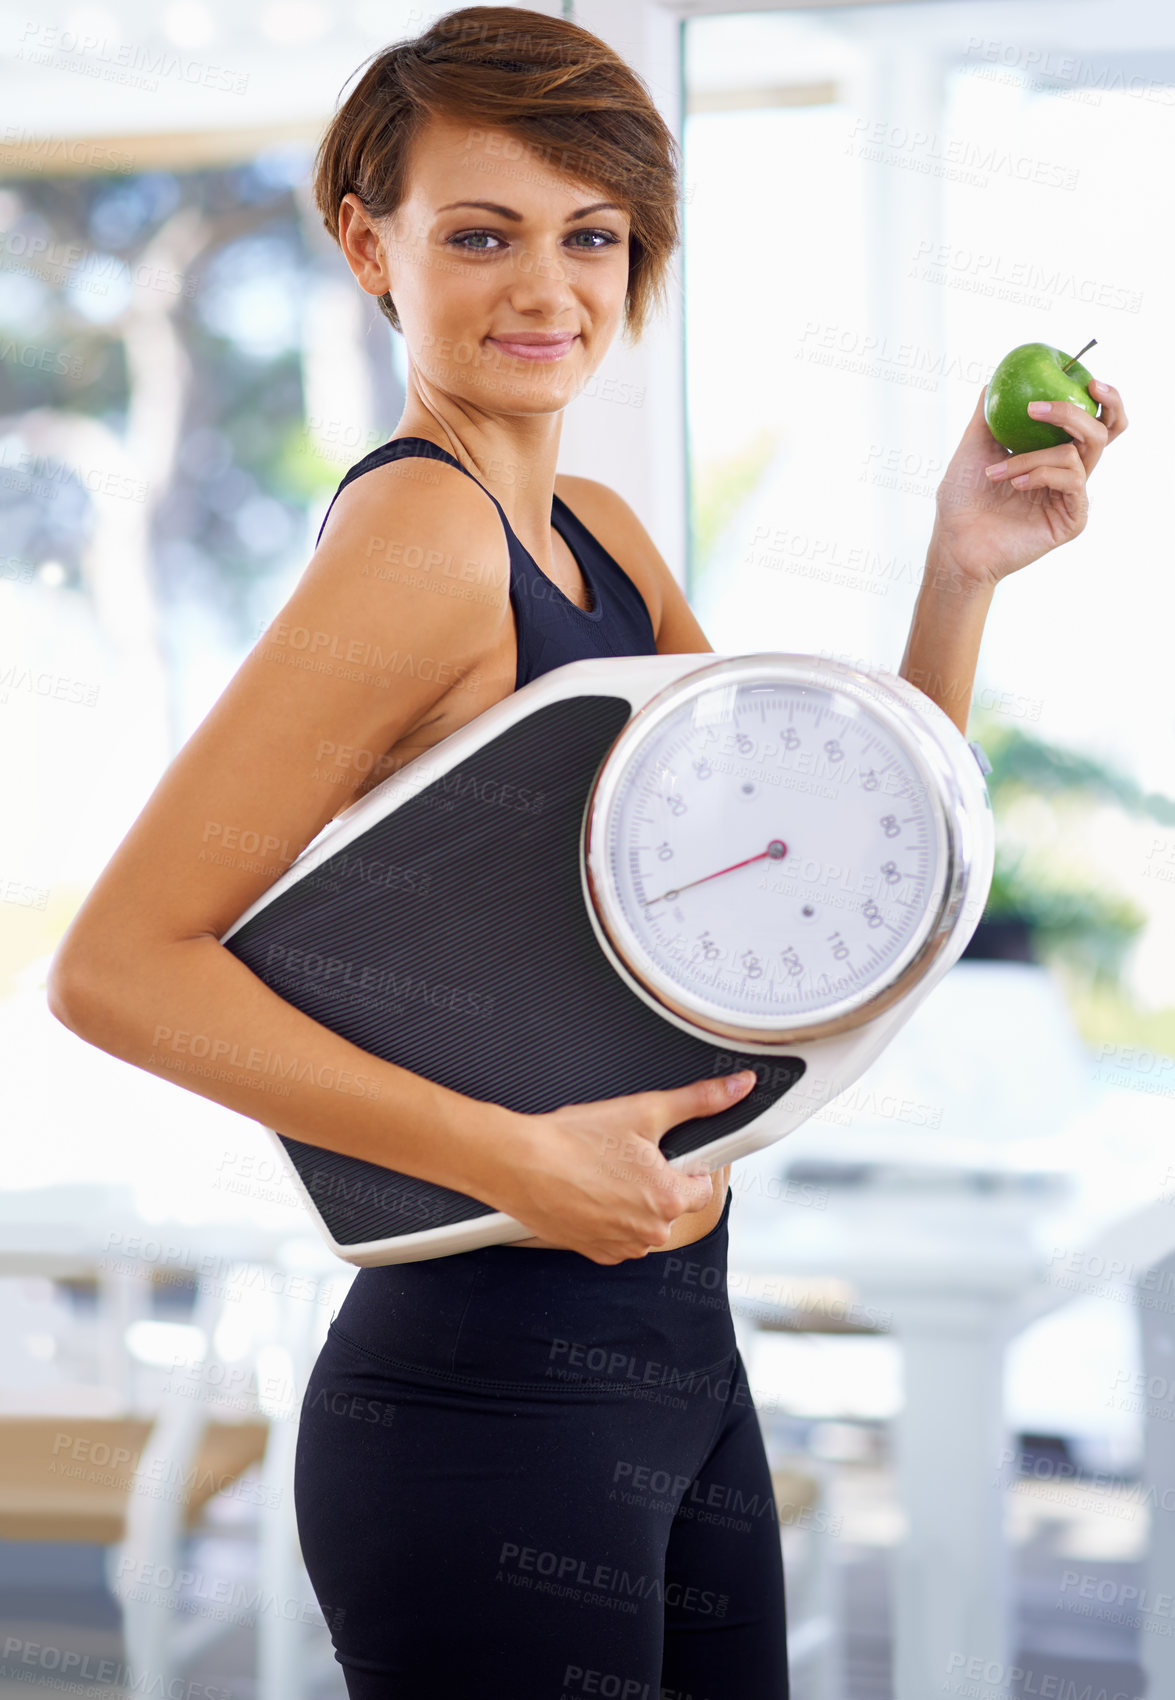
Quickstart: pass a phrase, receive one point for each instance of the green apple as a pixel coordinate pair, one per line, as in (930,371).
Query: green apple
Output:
(1034,372)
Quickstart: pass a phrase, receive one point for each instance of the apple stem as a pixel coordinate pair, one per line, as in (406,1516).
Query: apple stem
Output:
(1091,344)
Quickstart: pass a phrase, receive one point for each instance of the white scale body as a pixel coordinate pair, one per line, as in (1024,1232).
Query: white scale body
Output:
(779,855)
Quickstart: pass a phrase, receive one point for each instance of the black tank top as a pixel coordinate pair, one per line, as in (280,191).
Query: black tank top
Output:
(552,629)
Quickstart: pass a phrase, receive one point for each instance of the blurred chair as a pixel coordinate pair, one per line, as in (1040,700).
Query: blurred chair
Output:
(801,1487)
(96,1448)
(135,1483)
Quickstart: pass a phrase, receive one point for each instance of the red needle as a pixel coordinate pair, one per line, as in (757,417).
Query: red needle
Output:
(775,850)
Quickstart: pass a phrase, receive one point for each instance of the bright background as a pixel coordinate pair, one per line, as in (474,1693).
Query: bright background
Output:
(872,219)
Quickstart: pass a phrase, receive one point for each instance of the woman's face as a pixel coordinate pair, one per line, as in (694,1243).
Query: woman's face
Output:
(541,255)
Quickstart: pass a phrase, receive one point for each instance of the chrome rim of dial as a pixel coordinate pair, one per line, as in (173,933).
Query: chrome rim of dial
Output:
(755,931)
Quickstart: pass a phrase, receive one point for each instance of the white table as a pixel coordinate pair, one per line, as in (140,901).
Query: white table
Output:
(951,1291)
(961,1276)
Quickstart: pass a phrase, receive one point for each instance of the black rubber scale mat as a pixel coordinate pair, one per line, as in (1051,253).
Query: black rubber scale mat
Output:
(452,937)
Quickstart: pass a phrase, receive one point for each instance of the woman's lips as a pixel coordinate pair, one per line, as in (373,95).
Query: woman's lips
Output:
(534,350)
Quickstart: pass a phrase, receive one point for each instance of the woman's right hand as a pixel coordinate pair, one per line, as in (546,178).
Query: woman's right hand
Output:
(594,1179)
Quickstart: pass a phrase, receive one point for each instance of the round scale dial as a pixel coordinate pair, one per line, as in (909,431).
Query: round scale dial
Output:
(768,845)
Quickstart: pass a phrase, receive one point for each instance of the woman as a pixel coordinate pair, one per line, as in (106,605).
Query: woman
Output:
(523,1477)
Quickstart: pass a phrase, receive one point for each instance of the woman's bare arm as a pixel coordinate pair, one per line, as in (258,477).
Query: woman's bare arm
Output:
(355,660)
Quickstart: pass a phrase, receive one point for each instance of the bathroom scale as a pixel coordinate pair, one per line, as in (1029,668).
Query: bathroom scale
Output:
(631,873)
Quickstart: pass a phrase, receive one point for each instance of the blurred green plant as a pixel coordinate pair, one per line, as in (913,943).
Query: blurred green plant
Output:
(299,471)
(1022,762)
(1073,918)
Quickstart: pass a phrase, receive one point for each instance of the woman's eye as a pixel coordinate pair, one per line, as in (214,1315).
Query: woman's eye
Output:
(478,237)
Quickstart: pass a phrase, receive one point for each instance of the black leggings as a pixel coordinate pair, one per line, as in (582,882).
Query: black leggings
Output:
(522,1475)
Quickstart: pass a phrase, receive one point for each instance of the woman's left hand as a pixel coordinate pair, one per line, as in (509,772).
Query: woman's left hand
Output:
(995,512)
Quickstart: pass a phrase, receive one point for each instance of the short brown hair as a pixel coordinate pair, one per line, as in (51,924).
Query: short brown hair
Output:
(559,90)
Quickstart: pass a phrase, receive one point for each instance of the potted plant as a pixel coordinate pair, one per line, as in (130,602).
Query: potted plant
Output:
(1043,904)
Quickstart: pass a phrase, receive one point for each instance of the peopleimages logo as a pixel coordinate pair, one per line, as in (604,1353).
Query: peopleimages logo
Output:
(570,1572)
(219,1057)
(135,63)
(335,973)
(956,158)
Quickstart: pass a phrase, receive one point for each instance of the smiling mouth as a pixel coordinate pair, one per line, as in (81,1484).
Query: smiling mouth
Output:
(545,349)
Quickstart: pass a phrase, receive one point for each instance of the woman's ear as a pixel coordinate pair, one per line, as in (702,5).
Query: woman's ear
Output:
(363,246)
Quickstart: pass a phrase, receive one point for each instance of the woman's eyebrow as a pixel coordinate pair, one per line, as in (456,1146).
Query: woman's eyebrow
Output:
(508,212)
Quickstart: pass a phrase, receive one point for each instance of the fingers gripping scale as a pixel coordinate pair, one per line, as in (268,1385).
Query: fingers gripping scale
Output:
(631,873)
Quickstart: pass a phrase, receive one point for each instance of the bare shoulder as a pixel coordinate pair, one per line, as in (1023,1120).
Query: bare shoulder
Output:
(615,524)
(426,544)
(408,509)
